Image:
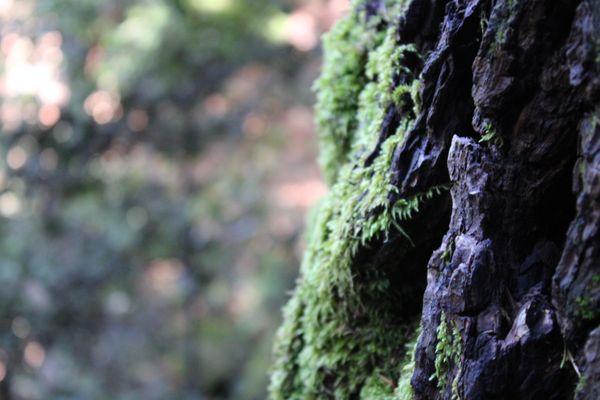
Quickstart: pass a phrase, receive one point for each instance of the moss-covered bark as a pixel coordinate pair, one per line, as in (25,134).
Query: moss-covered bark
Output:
(483,98)
(341,335)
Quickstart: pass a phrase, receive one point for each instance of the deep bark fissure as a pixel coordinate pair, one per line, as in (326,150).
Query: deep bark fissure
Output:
(404,266)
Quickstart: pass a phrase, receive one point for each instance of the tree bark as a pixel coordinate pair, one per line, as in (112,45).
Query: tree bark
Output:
(503,273)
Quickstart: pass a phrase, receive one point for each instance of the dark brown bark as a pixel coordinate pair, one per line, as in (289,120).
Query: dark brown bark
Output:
(518,271)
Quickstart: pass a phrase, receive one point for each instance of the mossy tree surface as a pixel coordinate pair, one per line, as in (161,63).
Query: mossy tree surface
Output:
(483,98)
(342,336)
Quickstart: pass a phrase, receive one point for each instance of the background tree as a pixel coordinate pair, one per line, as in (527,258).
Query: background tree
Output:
(148,232)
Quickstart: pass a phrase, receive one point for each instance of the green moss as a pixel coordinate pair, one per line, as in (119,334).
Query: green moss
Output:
(581,384)
(586,309)
(346,48)
(378,387)
(359,60)
(404,390)
(501,36)
(585,305)
(483,23)
(341,336)
(447,355)
(449,251)
(413,90)
(503,17)
(490,135)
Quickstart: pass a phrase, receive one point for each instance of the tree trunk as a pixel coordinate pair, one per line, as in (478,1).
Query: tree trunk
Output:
(457,255)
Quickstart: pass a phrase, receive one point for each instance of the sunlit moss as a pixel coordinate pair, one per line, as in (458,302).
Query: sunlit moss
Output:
(340,332)
(346,49)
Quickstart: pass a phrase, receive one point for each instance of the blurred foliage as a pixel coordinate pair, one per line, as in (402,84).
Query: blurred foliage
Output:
(153,188)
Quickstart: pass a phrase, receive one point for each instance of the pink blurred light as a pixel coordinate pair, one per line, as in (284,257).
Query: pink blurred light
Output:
(103,106)
(163,276)
(31,69)
(301,30)
(301,194)
(34,354)
(48,115)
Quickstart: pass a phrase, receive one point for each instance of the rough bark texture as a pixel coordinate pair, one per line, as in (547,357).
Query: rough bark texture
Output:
(507,265)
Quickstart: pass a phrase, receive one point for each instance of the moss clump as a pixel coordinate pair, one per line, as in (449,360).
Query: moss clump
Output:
(491,135)
(349,65)
(341,336)
(404,390)
(379,387)
(346,48)
(501,20)
(449,251)
(586,309)
(447,355)
(582,382)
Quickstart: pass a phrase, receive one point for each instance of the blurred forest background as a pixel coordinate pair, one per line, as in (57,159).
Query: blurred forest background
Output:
(157,165)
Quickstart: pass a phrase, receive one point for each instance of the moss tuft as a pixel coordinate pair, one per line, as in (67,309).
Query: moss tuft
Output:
(586,306)
(447,355)
(346,48)
(586,309)
(491,135)
(404,390)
